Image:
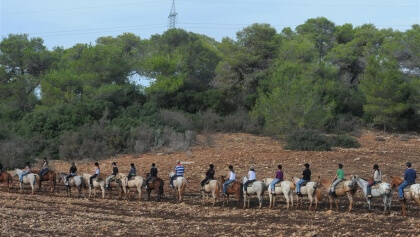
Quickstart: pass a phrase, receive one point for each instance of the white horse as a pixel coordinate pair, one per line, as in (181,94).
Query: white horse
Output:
(30,179)
(213,188)
(310,190)
(285,187)
(257,188)
(75,181)
(96,184)
(180,183)
(136,182)
(384,190)
(411,192)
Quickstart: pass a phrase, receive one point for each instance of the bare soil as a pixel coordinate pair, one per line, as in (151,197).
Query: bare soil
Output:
(49,214)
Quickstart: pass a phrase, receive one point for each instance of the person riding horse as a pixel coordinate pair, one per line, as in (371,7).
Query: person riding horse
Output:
(96,174)
(232,178)
(44,168)
(409,178)
(25,172)
(209,175)
(179,172)
(133,171)
(279,178)
(72,173)
(114,173)
(153,174)
(251,177)
(306,177)
(337,179)
(377,177)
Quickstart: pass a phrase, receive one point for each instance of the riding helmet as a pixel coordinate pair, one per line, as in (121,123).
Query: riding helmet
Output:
(306,165)
(408,164)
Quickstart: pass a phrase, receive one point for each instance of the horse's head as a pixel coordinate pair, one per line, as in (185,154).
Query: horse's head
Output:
(171,174)
(353,183)
(395,181)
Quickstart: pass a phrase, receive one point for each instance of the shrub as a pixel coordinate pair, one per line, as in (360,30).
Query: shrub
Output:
(344,141)
(307,140)
(177,120)
(15,152)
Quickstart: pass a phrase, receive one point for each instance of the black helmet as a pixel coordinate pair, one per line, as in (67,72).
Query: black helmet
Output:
(375,166)
(231,167)
(96,163)
(132,164)
(340,165)
(306,165)
(45,158)
(153,164)
(72,163)
(211,166)
(113,163)
(408,164)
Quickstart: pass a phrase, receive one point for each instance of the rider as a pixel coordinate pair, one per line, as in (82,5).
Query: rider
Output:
(409,178)
(279,178)
(377,177)
(25,172)
(306,177)
(132,172)
(251,177)
(114,172)
(153,173)
(44,168)
(232,178)
(97,172)
(179,172)
(337,179)
(209,175)
(72,172)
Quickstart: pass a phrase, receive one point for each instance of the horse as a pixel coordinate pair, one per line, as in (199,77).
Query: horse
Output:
(49,176)
(30,179)
(75,181)
(284,187)
(383,190)
(342,189)
(180,183)
(256,188)
(156,184)
(6,177)
(212,187)
(310,190)
(235,188)
(410,193)
(136,182)
(96,184)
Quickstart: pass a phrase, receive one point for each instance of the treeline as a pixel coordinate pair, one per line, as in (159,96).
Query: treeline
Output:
(84,101)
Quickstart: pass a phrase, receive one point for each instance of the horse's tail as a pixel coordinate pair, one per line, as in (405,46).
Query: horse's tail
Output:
(318,194)
(217,189)
(9,178)
(241,192)
(292,185)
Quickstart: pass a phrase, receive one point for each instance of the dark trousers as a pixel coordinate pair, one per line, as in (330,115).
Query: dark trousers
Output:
(246,184)
(205,180)
(68,177)
(369,187)
(173,178)
(149,178)
(91,179)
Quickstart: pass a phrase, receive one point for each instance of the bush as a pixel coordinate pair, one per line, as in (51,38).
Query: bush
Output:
(307,140)
(17,151)
(177,120)
(344,141)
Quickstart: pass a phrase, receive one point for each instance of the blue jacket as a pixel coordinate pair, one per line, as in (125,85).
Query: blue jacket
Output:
(410,175)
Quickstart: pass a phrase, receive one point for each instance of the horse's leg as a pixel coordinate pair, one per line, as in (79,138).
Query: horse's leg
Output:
(260,199)
(350,197)
(331,201)
(244,200)
(310,200)
(103,192)
(90,191)
(404,211)
(368,203)
(271,200)
(139,191)
(336,204)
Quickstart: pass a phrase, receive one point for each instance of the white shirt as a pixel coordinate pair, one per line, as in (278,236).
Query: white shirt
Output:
(377,176)
(251,175)
(232,175)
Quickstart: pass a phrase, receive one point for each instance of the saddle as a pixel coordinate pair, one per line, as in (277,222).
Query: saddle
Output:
(278,184)
(304,183)
(151,180)
(250,183)
(376,185)
(208,181)
(407,189)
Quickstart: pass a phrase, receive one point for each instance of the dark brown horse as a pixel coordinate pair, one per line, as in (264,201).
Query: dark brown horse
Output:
(235,188)
(6,177)
(49,176)
(156,184)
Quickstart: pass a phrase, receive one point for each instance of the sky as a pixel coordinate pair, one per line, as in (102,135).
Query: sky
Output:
(65,23)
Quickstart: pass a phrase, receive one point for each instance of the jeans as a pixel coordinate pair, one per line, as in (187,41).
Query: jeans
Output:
(24,173)
(173,178)
(42,172)
(273,183)
(300,182)
(205,180)
(226,184)
(334,184)
(107,180)
(368,187)
(401,188)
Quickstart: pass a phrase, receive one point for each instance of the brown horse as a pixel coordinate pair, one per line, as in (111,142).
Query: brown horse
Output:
(342,189)
(412,193)
(236,188)
(6,177)
(49,176)
(156,184)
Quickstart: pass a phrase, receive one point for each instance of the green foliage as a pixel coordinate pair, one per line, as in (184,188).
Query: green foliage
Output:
(343,141)
(307,140)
